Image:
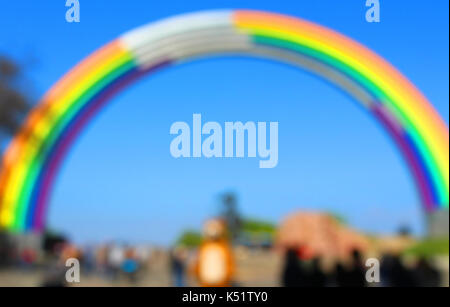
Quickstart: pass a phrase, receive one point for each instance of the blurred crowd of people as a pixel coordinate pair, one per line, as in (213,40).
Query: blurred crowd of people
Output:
(301,271)
(212,264)
(115,262)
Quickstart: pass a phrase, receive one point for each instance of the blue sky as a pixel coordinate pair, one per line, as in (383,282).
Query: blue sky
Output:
(120,181)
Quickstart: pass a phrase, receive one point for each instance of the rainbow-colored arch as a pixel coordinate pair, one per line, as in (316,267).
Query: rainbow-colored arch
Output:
(32,159)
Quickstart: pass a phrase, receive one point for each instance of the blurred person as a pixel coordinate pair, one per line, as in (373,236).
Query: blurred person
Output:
(341,276)
(215,263)
(116,256)
(293,274)
(349,276)
(357,270)
(387,262)
(101,260)
(130,265)
(303,269)
(143,256)
(5,250)
(27,258)
(89,261)
(178,266)
(394,273)
(318,277)
(55,275)
(353,274)
(425,275)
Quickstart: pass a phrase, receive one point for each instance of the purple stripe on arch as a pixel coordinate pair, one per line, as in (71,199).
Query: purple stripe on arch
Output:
(42,189)
(398,134)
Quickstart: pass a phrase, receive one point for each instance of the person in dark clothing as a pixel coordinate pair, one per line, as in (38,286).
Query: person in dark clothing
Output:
(177,266)
(342,276)
(425,275)
(395,274)
(357,271)
(55,277)
(354,276)
(318,277)
(293,274)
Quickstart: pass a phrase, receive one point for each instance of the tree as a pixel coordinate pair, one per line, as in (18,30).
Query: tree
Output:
(190,238)
(231,215)
(255,226)
(13,103)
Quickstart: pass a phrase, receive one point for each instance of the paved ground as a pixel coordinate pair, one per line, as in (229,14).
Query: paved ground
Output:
(253,269)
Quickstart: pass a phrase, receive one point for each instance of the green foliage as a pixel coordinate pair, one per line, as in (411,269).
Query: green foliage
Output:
(190,238)
(429,248)
(249,228)
(253,226)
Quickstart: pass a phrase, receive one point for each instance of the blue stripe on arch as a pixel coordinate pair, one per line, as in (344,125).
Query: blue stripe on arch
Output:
(426,171)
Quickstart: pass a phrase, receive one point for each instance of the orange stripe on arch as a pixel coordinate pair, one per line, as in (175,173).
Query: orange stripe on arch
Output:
(348,46)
